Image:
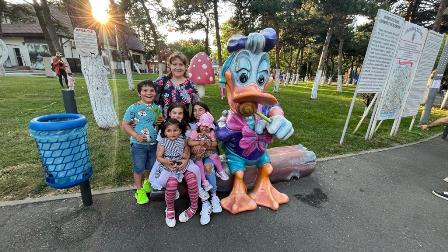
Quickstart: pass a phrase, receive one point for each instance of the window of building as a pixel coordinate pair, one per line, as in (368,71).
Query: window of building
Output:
(137,58)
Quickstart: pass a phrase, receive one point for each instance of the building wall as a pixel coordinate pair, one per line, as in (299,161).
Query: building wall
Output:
(33,51)
(16,42)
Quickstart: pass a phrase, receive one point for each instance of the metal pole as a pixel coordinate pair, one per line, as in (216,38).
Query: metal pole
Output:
(378,126)
(366,112)
(412,123)
(70,107)
(348,117)
(372,121)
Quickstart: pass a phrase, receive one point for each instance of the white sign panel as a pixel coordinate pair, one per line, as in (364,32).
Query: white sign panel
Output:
(85,40)
(380,52)
(403,69)
(424,68)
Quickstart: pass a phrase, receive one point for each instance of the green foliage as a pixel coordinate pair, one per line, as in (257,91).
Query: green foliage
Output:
(188,47)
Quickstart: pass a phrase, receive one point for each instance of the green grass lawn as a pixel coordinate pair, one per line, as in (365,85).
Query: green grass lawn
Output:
(318,125)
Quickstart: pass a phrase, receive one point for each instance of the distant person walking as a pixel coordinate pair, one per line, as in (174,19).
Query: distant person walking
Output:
(59,67)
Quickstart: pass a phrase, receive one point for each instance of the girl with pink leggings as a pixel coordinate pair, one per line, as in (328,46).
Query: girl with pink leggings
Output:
(172,154)
(204,136)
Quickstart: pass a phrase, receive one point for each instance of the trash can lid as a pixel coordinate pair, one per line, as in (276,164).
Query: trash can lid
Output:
(61,121)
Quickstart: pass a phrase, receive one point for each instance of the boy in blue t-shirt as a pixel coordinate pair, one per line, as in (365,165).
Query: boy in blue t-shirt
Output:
(140,121)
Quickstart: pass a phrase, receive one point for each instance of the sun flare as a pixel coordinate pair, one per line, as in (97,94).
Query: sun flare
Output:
(100,10)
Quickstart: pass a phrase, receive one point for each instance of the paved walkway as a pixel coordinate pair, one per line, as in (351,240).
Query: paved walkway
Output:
(373,202)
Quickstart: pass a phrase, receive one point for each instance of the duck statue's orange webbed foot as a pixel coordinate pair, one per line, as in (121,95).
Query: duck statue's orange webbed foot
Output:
(264,194)
(238,201)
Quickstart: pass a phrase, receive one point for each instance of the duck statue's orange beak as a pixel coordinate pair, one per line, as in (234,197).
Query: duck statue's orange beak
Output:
(245,100)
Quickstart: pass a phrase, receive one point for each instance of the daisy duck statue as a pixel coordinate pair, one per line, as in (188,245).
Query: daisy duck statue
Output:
(254,119)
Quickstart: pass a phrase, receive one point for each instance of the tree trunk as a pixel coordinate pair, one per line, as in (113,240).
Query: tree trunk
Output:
(43,26)
(277,64)
(99,91)
(2,3)
(432,92)
(290,62)
(351,73)
(2,50)
(155,36)
(207,31)
(323,59)
(217,35)
(439,17)
(127,65)
(3,57)
(296,61)
(94,72)
(306,72)
(50,26)
(339,83)
(121,36)
(412,10)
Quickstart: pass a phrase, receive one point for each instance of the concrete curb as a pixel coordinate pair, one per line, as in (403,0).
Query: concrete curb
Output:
(128,188)
(62,196)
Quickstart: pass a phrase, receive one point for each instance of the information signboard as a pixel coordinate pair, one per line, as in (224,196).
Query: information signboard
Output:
(424,68)
(410,46)
(85,41)
(380,52)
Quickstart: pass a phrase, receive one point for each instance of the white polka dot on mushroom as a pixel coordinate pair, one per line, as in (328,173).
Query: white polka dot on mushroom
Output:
(199,60)
(204,66)
(211,78)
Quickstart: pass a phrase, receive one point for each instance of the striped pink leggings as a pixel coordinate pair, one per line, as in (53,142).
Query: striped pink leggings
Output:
(170,194)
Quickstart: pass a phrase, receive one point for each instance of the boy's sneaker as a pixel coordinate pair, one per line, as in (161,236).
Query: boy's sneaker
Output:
(216,204)
(205,212)
(207,186)
(141,197)
(203,194)
(146,186)
(443,195)
(222,175)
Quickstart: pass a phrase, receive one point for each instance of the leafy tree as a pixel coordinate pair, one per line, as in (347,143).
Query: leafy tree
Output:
(193,15)
(257,14)
(156,10)
(19,13)
(188,47)
(47,24)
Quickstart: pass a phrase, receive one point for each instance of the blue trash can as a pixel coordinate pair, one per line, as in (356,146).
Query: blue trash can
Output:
(62,143)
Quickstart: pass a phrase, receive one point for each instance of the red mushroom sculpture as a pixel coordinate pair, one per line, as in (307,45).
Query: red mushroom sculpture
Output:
(201,71)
